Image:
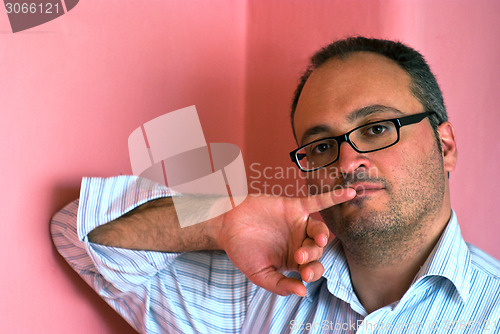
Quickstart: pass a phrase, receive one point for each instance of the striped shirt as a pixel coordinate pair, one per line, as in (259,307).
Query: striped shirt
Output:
(457,290)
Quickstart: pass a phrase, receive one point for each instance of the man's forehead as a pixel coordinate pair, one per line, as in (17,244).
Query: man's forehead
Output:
(342,88)
(355,66)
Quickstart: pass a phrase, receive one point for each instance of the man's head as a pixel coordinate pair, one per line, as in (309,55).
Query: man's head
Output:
(423,83)
(403,189)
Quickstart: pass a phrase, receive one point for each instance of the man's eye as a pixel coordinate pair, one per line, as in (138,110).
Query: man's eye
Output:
(376,129)
(321,148)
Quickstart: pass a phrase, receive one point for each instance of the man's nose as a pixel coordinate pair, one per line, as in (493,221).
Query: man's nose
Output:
(350,160)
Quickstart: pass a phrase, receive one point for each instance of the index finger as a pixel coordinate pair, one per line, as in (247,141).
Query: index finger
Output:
(325,200)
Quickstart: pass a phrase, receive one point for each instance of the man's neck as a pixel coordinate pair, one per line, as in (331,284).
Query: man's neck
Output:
(381,283)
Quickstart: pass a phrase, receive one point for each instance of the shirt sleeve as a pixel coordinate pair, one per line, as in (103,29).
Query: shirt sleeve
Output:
(156,292)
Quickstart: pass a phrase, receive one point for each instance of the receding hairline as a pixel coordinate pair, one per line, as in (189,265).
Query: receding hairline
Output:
(345,57)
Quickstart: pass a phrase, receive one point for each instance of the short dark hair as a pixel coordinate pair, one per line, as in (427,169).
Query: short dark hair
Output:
(423,83)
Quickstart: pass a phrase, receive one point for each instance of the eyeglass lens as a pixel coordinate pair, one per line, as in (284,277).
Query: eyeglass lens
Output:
(367,138)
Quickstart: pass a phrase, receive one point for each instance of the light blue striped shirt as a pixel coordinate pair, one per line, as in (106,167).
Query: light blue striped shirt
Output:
(457,290)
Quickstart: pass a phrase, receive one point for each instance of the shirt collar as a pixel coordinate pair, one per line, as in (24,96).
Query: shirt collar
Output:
(450,259)
(336,273)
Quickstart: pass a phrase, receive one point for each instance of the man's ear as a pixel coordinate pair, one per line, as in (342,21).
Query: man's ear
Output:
(448,145)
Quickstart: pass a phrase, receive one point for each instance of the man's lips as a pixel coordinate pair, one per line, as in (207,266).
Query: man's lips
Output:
(363,189)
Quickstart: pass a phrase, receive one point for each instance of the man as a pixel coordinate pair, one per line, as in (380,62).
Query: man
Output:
(370,122)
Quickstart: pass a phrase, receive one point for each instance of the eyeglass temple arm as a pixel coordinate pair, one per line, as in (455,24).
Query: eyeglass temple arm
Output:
(412,119)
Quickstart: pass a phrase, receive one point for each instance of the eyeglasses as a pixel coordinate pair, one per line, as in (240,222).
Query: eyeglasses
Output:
(370,137)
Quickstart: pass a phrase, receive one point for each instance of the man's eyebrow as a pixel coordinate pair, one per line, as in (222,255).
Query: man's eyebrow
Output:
(314,131)
(369,110)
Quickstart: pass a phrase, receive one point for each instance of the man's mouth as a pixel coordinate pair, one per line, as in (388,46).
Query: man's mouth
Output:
(365,189)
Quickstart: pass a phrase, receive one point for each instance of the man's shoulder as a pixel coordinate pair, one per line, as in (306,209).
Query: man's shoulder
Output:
(484,262)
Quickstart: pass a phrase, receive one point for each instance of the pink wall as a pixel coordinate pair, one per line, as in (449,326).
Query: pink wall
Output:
(73,89)
(71,92)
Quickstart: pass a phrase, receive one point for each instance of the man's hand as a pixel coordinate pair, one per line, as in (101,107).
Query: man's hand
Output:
(265,235)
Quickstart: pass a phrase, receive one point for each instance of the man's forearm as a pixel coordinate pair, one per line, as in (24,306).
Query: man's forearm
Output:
(154,226)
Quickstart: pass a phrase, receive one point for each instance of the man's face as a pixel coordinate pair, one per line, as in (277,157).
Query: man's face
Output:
(399,187)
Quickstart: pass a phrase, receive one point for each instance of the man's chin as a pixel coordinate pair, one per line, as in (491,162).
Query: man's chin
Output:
(353,209)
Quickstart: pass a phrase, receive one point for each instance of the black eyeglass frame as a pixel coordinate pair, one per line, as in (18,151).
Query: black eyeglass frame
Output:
(398,123)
